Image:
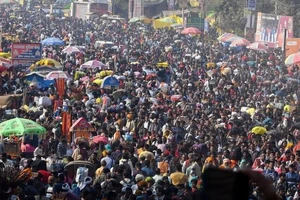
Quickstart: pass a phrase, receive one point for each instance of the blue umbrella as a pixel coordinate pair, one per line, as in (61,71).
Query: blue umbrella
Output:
(52,41)
(110,81)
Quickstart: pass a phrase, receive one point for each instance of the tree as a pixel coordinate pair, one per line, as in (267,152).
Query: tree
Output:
(230,16)
(121,7)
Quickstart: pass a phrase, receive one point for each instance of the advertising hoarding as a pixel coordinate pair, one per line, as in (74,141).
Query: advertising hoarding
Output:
(270,28)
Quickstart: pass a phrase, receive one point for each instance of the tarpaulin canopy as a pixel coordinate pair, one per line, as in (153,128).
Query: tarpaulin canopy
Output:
(81,125)
(166,22)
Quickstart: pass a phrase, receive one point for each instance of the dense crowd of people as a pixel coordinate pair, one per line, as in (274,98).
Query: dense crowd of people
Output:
(211,106)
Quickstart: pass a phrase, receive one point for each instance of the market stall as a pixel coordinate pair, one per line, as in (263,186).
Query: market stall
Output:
(81,128)
(18,135)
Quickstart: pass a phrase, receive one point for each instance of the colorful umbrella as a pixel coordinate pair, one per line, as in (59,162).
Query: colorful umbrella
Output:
(93,64)
(225,35)
(110,81)
(191,30)
(52,41)
(239,42)
(259,130)
(229,39)
(133,20)
(20,127)
(48,62)
(258,46)
(98,81)
(56,75)
(100,139)
(292,59)
(70,50)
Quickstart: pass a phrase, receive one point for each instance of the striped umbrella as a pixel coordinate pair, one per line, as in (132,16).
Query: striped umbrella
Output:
(258,46)
(229,39)
(293,59)
(225,35)
(239,42)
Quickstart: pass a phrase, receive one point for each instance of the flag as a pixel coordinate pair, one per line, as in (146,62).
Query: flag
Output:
(66,122)
(60,87)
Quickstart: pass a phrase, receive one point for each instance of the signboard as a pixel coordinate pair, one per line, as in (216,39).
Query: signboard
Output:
(30,51)
(292,46)
(80,10)
(270,27)
(23,55)
(196,22)
(251,5)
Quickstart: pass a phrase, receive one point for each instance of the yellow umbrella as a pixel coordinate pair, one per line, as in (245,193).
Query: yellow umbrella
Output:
(250,111)
(46,62)
(259,130)
(5,55)
(98,81)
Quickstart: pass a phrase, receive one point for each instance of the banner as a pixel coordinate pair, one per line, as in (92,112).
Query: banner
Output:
(66,122)
(60,87)
(292,46)
(270,29)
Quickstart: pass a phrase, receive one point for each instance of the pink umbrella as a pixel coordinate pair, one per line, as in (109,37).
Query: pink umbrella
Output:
(191,30)
(258,46)
(93,64)
(100,139)
(176,97)
(56,75)
(70,50)
(240,42)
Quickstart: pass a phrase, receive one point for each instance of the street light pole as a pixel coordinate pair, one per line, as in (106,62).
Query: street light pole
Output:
(0,37)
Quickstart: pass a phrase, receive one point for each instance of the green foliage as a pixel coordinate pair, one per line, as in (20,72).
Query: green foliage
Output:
(230,16)
(121,4)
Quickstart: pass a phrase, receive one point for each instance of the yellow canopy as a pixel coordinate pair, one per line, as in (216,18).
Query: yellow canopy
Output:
(46,62)
(104,73)
(259,130)
(98,81)
(167,22)
(5,55)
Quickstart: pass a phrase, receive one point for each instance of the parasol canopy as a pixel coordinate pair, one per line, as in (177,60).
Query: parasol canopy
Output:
(20,127)
(56,75)
(259,130)
(225,35)
(52,41)
(239,42)
(100,139)
(191,30)
(110,81)
(292,59)
(258,46)
(71,49)
(92,64)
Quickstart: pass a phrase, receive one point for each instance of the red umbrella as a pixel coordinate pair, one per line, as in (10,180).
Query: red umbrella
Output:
(240,42)
(176,97)
(100,139)
(258,46)
(191,30)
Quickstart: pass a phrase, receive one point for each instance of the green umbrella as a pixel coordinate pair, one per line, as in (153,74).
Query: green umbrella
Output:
(20,127)
(133,20)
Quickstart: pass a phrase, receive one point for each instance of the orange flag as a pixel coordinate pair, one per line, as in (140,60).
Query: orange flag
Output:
(60,87)
(66,122)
